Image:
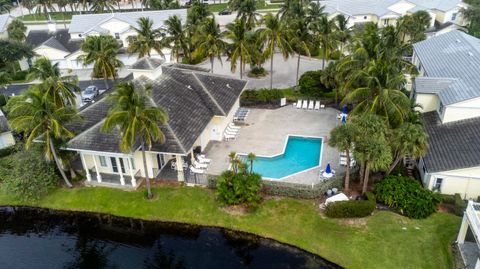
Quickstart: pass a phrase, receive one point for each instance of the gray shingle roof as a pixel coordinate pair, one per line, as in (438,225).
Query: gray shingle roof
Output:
(454,145)
(452,55)
(190,98)
(4,127)
(59,40)
(147,63)
(91,22)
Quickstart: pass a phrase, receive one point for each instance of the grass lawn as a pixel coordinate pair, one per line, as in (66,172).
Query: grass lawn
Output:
(55,16)
(385,240)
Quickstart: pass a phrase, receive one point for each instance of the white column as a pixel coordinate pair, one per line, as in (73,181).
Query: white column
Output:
(132,173)
(180,175)
(122,180)
(463,230)
(99,177)
(84,163)
(148,157)
(192,156)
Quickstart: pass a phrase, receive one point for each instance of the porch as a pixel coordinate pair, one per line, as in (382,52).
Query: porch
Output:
(114,181)
(469,236)
(167,173)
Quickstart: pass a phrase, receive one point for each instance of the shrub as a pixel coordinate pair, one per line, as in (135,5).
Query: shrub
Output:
(27,175)
(311,85)
(239,188)
(407,195)
(353,208)
(459,204)
(19,75)
(257,72)
(262,96)
(447,199)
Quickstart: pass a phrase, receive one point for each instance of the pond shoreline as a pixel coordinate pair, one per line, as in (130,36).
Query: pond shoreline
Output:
(143,226)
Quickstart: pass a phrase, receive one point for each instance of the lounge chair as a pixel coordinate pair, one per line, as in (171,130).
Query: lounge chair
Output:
(317,105)
(200,165)
(233,126)
(310,105)
(299,104)
(202,159)
(196,170)
(322,106)
(232,130)
(305,104)
(229,137)
(227,132)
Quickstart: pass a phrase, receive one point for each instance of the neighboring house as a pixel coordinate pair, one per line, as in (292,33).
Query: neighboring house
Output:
(6,137)
(5,20)
(387,12)
(448,89)
(199,105)
(468,238)
(119,25)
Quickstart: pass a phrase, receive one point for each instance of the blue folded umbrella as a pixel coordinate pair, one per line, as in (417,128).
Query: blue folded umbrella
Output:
(344,109)
(344,119)
(328,170)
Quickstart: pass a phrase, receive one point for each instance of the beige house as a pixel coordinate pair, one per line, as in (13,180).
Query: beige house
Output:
(200,106)
(448,90)
(6,137)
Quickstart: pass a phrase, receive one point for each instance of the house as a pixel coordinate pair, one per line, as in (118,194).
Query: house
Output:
(468,238)
(200,106)
(6,137)
(448,90)
(387,12)
(5,20)
(120,25)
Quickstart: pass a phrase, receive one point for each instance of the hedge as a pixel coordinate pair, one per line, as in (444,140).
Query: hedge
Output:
(459,204)
(261,97)
(302,191)
(352,208)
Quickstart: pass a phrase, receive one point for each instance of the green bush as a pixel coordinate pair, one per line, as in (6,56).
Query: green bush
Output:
(352,209)
(447,199)
(19,75)
(261,97)
(407,195)
(257,72)
(239,188)
(311,85)
(459,204)
(27,175)
(7,151)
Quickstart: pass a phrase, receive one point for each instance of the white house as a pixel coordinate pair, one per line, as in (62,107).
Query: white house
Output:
(6,137)
(5,20)
(200,105)
(448,89)
(468,238)
(386,12)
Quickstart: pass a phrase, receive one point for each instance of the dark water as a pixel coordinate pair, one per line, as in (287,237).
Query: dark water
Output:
(38,238)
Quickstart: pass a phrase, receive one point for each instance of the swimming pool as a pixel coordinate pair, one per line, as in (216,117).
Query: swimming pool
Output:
(300,153)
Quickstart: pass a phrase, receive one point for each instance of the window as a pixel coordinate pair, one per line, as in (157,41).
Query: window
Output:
(440,108)
(454,16)
(103,161)
(438,184)
(132,163)
(385,22)
(117,35)
(424,168)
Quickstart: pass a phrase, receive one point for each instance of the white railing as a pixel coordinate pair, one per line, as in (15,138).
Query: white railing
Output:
(474,219)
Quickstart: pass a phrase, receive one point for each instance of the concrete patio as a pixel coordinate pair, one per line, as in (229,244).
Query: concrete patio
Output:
(265,131)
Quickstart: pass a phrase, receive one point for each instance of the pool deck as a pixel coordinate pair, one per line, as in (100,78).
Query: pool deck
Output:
(265,132)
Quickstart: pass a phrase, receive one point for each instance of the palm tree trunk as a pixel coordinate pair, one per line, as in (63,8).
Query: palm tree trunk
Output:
(59,166)
(211,63)
(393,165)
(271,72)
(241,67)
(251,166)
(147,179)
(347,172)
(323,57)
(298,70)
(362,171)
(365,181)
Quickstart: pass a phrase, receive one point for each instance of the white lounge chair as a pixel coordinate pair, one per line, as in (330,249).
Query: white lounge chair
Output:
(322,106)
(227,132)
(317,105)
(229,137)
(310,105)
(232,130)
(233,126)
(305,104)
(299,104)
(196,170)
(202,159)
(200,165)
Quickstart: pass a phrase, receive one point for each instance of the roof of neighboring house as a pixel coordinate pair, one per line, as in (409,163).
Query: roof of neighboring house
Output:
(92,22)
(453,145)
(58,40)
(452,55)
(190,98)
(147,63)
(4,19)
(4,127)
(432,85)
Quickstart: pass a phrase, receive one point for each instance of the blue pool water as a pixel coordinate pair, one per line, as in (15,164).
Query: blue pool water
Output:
(301,153)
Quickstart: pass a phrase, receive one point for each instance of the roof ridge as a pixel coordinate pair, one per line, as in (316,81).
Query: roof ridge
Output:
(76,137)
(176,138)
(209,94)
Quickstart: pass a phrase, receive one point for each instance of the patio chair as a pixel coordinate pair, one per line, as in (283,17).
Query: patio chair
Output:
(322,106)
(196,170)
(233,126)
(228,132)
(305,104)
(299,104)
(229,137)
(232,130)
(202,159)
(310,105)
(317,105)
(200,165)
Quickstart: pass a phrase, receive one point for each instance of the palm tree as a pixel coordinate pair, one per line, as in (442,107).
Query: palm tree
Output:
(408,140)
(247,11)
(343,137)
(197,13)
(40,118)
(342,32)
(62,4)
(101,51)
(46,6)
(30,5)
(329,78)
(239,48)
(100,6)
(274,35)
(301,41)
(210,41)
(132,112)
(5,6)
(251,157)
(57,88)
(291,10)
(176,39)
(16,30)
(146,39)
(5,78)
(324,29)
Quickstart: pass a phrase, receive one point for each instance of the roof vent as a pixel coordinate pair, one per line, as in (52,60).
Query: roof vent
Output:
(189,87)
(228,86)
(470,54)
(457,40)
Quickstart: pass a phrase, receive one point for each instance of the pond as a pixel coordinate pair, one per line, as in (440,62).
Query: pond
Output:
(40,238)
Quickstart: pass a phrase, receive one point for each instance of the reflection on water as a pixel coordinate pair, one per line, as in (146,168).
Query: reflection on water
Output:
(37,238)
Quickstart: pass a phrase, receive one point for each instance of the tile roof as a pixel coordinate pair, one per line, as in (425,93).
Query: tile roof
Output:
(58,40)
(452,55)
(4,127)
(453,145)
(147,63)
(190,98)
(92,22)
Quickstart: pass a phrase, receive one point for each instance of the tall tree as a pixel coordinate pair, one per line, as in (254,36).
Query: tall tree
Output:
(16,30)
(13,51)
(44,7)
(39,117)
(247,12)
(301,41)
(239,46)
(314,11)
(342,31)
(292,9)
(101,51)
(210,41)
(471,15)
(251,157)
(146,39)
(100,6)
(30,5)
(62,7)
(343,137)
(197,12)
(5,6)
(176,38)
(274,35)
(132,112)
(324,29)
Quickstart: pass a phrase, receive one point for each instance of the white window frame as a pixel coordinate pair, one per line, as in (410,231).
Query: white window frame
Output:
(103,161)
(454,16)
(437,185)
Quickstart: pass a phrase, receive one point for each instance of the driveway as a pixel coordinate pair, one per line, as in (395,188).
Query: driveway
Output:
(284,71)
